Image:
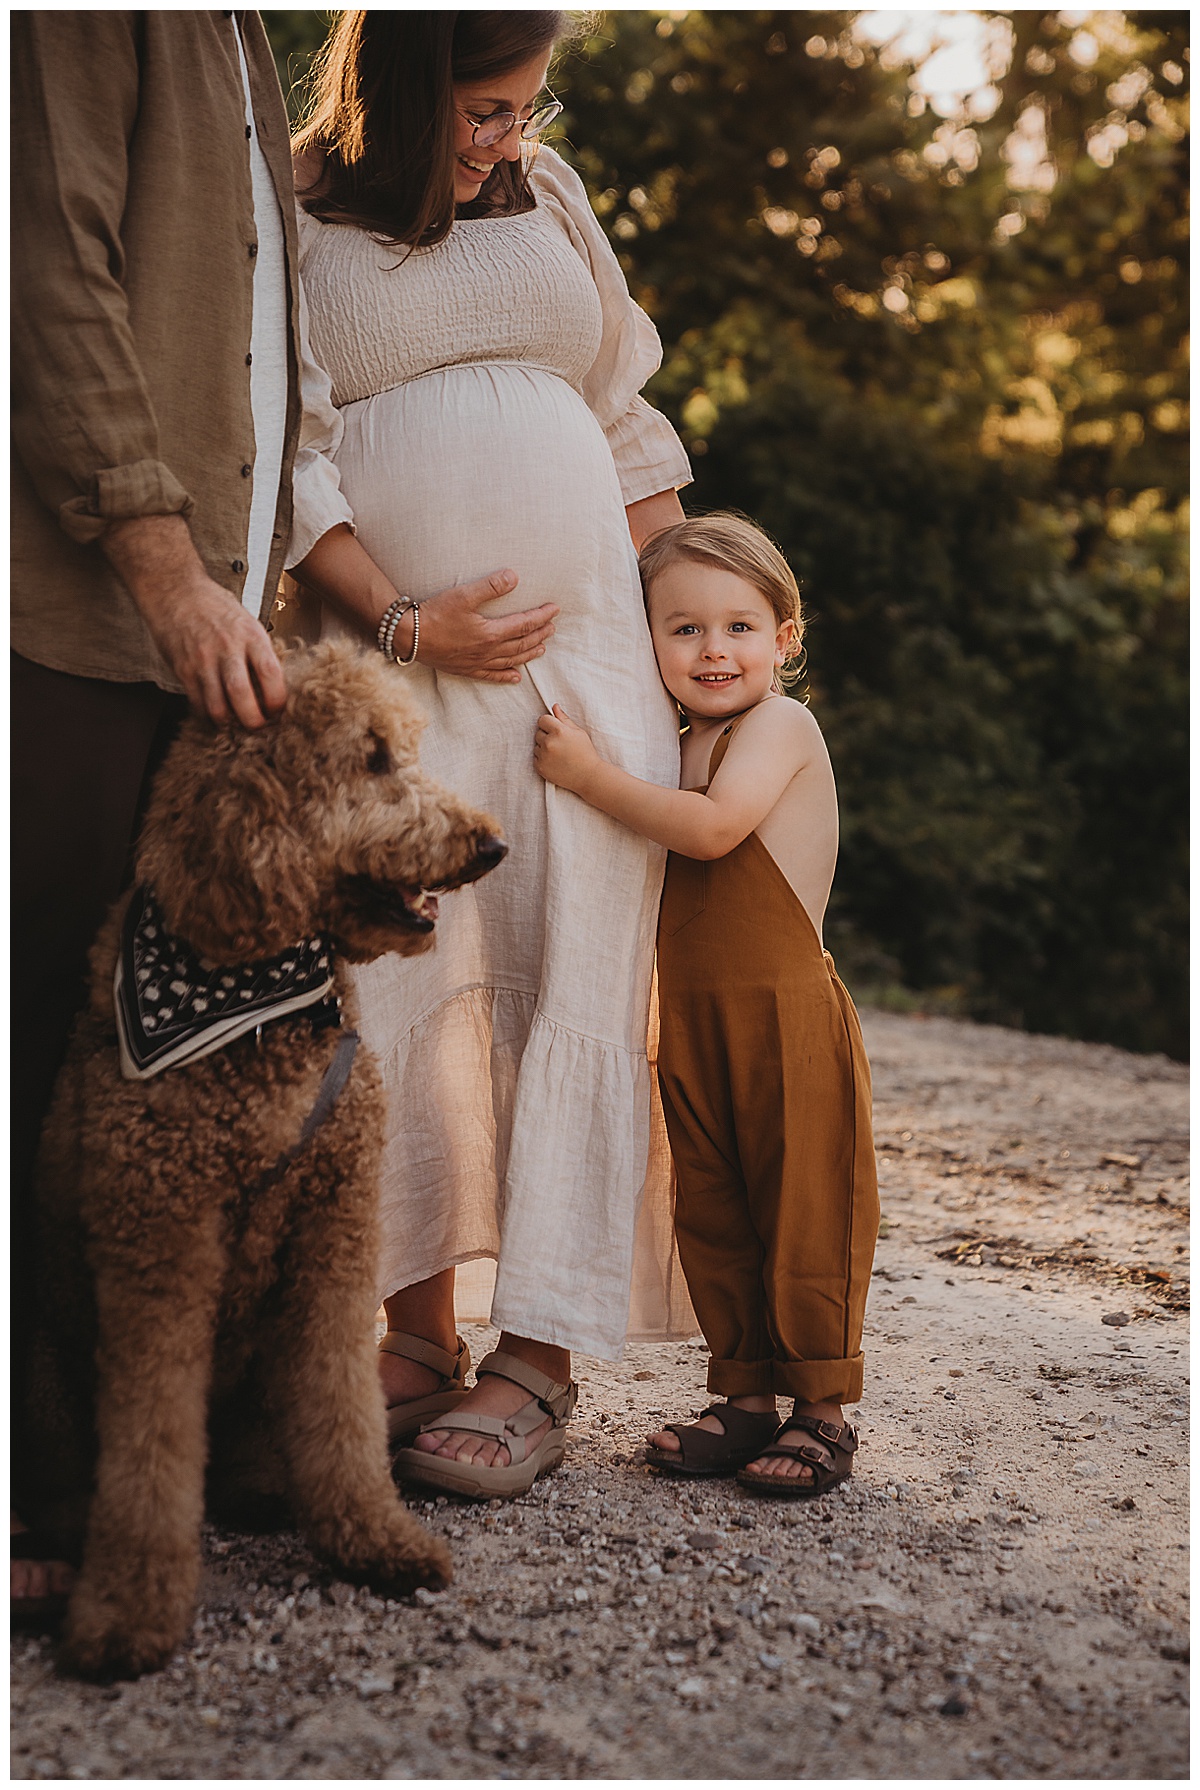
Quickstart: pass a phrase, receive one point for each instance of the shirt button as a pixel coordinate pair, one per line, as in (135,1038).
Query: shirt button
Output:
(246,471)
(249,132)
(249,359)
(237,565)
(252,249)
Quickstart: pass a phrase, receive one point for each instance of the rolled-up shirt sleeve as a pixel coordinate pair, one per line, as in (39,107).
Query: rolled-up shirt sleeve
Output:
(646,451)
(83,422)
(318,503)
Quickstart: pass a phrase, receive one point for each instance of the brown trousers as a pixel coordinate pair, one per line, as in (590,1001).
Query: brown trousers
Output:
(767,1094)
(83,754)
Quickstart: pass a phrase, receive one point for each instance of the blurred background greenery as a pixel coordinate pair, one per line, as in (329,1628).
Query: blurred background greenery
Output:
(921,284)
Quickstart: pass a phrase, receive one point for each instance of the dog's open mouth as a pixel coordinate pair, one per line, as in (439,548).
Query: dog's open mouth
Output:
(391,904)
(412,907)
(420,908)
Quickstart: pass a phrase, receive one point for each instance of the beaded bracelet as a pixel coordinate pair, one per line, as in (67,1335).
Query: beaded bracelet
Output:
(416,615)
(387,621)
(389,639)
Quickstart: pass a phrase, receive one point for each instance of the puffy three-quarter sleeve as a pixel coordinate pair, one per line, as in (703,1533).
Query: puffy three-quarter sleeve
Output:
(318,503)
(648,454)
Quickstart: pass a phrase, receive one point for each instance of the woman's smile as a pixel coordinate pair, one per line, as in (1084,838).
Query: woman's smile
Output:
(474,102)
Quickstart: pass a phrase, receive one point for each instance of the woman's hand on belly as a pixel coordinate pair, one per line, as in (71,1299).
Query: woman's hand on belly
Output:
(456,637)
(454,634)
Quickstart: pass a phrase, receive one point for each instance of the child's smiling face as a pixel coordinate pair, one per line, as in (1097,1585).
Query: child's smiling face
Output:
(717,639)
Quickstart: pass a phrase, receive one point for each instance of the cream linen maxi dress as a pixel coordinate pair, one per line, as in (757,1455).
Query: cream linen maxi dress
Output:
(488,395)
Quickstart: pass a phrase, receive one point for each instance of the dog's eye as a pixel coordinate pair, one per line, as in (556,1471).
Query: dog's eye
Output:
(380,761)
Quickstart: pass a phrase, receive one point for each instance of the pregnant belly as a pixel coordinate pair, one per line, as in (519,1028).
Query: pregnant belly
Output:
(477,467)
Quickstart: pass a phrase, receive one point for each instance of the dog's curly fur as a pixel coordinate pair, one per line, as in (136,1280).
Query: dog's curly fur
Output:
(214,1301)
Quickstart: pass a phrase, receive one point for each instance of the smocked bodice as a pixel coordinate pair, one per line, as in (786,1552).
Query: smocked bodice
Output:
(496,289)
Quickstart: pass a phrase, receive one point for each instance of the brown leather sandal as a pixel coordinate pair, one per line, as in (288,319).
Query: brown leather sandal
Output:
(830,1455)
(406,1418)
(703,1455)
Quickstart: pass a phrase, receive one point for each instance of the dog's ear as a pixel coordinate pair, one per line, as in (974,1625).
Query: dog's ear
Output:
(233,876)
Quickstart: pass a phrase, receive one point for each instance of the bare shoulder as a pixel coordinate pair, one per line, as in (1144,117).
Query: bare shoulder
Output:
(783,726)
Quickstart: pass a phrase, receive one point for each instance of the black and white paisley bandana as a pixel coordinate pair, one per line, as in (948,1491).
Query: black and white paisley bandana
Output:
(172,1007)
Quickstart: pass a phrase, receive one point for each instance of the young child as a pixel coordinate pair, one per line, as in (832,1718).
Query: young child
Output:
(763,1073)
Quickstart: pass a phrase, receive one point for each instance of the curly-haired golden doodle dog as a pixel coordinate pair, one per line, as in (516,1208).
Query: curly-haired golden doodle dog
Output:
(210,1225)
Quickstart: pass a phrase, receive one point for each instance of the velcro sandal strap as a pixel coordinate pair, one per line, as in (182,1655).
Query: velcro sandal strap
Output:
(415,1348)
(529,1417)
(510,1432)
(558,1400)
(477,1423)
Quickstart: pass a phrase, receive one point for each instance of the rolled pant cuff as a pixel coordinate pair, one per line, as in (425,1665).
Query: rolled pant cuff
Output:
(817,1382)
(742,1379)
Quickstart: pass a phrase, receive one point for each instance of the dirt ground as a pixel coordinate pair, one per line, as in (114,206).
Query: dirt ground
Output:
(1000,1591)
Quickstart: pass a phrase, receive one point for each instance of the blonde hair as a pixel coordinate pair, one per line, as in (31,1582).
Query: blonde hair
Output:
(734,544)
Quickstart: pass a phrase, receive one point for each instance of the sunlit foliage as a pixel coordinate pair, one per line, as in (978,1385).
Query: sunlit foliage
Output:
(941,354)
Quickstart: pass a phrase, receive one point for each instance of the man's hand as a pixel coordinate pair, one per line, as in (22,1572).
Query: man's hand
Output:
(563,752)
(456,637)
(221,655)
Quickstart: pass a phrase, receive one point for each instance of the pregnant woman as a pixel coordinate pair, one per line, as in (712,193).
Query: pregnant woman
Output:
(485,358)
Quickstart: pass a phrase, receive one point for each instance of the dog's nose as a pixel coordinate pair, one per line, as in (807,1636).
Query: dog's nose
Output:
(490,851)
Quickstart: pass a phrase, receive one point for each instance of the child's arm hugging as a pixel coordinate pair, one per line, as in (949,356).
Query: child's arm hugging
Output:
(773,744)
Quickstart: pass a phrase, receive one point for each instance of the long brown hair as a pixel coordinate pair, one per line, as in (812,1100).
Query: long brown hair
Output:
(381,116)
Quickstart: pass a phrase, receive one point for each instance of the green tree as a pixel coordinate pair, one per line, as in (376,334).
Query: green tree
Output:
(943,361)
(958,403)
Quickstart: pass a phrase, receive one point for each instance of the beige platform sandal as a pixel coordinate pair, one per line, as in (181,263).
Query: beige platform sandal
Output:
(550,1399)
(406,1418)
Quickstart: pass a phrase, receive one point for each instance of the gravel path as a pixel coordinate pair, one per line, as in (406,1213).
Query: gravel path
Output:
(1001,1590)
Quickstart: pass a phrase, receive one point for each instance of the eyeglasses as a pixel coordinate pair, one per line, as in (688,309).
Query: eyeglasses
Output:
(487,132)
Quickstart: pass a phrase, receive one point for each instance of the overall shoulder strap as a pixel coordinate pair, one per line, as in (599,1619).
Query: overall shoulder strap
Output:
(717,756)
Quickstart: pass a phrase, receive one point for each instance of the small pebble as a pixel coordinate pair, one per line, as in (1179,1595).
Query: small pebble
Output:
(754,1564)
(770,1662)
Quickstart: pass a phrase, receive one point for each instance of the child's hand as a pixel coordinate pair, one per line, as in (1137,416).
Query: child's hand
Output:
(563,751)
